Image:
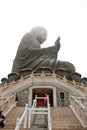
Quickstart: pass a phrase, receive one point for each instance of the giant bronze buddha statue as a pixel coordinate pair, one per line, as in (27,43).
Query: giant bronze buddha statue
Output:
(31,55)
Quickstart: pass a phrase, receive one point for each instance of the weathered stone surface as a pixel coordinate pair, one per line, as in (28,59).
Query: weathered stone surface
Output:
(13,77)
(46,70)
(69,67)
(23,97)
(76,77)
(84,80)
(4,80)
(25,72)
(62,72)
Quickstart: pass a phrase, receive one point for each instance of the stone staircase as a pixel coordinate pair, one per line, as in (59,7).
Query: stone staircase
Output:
(39,121)
(64,119)
(12,117)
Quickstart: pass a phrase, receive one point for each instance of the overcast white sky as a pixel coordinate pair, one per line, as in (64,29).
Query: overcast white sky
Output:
(64,18)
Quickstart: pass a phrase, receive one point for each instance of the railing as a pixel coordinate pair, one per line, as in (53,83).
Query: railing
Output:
(22,119)
(7,104)
(15,85)
(33,110)
(40,110)
(79,107)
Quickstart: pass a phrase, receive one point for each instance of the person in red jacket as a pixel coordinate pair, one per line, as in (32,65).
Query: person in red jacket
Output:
(46,99)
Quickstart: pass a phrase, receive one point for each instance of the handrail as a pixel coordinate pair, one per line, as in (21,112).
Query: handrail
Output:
(33,110)
(79,107)
(34,104)
(7,104)
(23,117)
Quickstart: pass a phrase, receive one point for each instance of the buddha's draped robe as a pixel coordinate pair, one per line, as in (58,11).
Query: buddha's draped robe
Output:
(34,58)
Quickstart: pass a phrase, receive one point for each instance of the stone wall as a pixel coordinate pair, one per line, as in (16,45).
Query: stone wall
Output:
(23,97)
(24,94)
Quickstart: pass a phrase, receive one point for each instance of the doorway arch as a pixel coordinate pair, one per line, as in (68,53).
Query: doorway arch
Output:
(40,91)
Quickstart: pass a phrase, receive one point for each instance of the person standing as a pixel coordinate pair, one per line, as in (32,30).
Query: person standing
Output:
(46,99)
(2,119)
(16,99)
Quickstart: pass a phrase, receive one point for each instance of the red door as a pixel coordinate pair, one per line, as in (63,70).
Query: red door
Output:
(40,103)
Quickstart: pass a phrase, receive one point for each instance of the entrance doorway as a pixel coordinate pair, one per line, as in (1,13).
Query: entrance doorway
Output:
(40,92)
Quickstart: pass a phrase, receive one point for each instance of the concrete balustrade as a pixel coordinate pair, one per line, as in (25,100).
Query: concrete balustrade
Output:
(80,109)
(41,77)
(6,104)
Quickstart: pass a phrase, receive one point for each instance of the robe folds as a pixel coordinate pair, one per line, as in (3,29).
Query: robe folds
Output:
(34,58)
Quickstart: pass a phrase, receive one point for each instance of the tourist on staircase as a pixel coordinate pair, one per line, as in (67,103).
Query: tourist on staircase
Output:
(2,119)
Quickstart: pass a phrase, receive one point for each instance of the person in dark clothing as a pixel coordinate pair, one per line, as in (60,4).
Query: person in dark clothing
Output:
(16,99)
(2,119)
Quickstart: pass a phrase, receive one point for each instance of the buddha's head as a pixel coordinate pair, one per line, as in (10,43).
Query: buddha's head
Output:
(40,33)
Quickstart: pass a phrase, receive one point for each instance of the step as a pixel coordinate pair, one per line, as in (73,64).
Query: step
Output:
(11,119)
(63,117)
(36,129)
(39,120)
(68,129)
(12,128)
